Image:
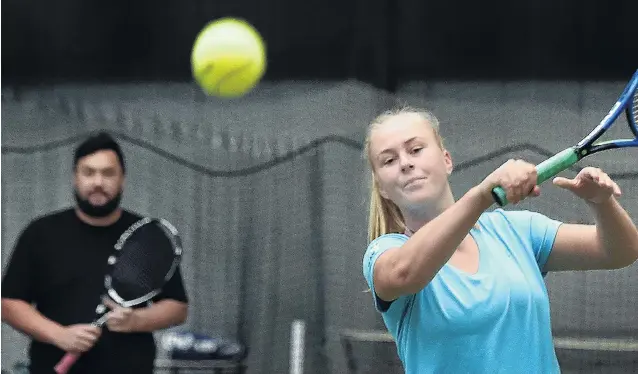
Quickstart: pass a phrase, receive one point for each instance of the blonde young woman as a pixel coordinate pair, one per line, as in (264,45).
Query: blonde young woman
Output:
(461,288)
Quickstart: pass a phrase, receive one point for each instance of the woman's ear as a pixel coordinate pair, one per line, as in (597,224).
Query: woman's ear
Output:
(449,166)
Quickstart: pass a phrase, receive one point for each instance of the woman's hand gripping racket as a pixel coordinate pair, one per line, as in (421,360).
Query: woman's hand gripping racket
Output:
(627,102)
(145,258)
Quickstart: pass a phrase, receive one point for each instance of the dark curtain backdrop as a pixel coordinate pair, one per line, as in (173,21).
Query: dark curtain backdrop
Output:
(384,42)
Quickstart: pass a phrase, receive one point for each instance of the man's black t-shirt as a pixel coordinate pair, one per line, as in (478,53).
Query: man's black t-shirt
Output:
(58,264)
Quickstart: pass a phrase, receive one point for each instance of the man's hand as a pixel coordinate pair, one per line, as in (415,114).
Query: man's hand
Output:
(77,338)
(120,319)
(591,185)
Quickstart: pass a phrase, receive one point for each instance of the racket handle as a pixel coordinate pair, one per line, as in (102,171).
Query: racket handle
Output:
(66,362)
(499,195)
(545,170)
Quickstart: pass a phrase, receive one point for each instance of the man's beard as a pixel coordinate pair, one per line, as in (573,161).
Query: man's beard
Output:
(98,211)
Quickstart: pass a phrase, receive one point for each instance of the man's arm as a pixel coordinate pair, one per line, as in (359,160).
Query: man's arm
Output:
(18,290)
(170,308)
(23,317)
(19,287)
(610,244)
(162,314)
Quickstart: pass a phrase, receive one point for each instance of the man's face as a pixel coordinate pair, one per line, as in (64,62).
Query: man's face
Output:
(99,178)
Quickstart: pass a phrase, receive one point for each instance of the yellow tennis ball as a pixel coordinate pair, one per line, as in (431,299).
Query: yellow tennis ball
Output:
(228,58)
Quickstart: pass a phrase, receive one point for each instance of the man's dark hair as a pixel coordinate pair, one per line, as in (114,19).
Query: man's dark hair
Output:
(98,142)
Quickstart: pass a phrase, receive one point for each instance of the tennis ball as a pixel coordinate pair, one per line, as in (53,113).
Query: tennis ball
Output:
(228,58)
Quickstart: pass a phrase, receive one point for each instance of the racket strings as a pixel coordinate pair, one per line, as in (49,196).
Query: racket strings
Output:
(145,259)
(634,108)
(632,115)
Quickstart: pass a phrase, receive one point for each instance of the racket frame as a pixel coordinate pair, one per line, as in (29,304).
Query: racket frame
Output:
(176,244)
(587,146)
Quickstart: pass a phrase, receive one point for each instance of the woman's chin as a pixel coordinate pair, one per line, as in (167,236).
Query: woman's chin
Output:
(420,197)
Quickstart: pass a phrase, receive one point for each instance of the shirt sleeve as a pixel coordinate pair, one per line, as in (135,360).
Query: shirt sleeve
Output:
(174,289)
(374,250)
(18,281)
(541,230)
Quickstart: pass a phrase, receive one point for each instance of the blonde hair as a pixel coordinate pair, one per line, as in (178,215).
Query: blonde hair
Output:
(384,215)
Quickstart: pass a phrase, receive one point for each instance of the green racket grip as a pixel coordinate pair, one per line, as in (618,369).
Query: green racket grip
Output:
(544,170)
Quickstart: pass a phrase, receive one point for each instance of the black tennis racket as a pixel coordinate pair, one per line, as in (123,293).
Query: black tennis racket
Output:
(627,102)
(145,258)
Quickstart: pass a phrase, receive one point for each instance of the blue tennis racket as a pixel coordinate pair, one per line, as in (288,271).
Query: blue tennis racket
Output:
(627,102)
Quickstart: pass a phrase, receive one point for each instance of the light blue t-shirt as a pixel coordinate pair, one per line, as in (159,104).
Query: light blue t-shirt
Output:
(494,321)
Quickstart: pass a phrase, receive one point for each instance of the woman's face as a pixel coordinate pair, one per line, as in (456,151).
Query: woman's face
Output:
(410,166)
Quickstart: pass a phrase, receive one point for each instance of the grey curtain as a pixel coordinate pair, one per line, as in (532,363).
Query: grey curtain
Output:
(269,193)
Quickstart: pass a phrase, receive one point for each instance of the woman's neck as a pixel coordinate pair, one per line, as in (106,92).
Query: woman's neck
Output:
(417,218)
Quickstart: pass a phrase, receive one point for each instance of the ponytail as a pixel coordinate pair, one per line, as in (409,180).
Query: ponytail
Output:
(385,217)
